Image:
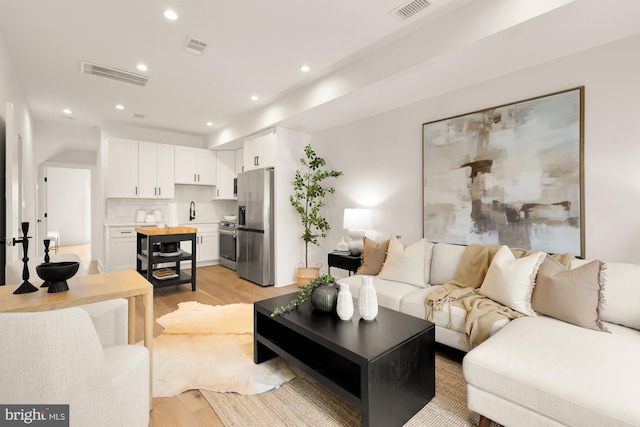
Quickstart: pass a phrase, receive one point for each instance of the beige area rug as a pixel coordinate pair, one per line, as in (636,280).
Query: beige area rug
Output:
(211,348)
(305,402)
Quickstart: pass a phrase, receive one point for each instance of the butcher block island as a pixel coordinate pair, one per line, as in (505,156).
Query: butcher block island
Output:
(159,255)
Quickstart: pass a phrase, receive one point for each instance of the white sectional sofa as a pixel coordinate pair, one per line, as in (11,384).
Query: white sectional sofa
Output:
(537,370)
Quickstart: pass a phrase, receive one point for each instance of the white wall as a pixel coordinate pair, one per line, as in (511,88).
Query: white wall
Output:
(11,91)
(381,156)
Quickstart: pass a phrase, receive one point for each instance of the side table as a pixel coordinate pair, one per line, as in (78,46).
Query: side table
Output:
(343,261)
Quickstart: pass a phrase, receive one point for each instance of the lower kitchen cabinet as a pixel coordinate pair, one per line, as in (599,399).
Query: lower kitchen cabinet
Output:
(121,248)
(207,243)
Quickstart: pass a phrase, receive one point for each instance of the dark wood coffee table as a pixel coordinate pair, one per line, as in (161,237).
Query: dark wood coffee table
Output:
(385,367)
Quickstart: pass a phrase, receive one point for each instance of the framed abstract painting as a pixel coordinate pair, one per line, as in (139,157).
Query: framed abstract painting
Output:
(512,175)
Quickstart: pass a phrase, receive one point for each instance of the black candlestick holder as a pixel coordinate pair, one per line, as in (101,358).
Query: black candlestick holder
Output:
(26,286)
(47,242)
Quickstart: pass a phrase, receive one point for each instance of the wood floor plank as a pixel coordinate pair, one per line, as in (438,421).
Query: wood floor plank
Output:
(216,285)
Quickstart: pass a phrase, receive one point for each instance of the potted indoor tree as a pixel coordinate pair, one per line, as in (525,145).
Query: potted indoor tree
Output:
(308,198)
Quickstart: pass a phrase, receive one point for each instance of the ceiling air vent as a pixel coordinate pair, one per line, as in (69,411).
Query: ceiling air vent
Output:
(113,74)
(195,46)
(139,116)
(409,9)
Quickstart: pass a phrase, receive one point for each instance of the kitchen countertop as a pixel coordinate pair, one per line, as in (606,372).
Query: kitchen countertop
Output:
(153,224)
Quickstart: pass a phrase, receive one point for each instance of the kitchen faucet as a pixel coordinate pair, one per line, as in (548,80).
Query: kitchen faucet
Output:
(192,211)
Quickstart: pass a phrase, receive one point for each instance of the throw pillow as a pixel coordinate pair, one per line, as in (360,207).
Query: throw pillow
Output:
(573,296)
(510,280)
(406,265)
(373,256)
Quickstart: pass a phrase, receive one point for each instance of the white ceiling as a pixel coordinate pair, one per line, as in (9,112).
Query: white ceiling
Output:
(255,47)
(362,60)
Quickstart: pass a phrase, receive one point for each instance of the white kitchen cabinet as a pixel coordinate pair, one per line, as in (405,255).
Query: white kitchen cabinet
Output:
(207,244)
(122,168)
(239,162)
(195,166)
(259,151)
(155,170)
(121,249)
(225,173)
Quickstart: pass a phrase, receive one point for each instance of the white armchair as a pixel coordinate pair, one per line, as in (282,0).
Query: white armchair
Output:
(55,357)
(110,318)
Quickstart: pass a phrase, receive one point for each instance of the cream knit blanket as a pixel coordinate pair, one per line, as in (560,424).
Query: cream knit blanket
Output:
(462,291)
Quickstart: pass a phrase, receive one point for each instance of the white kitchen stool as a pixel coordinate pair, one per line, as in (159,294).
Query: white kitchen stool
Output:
(54,236)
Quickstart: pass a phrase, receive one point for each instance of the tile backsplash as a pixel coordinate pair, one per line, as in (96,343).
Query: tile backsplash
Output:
(124,210)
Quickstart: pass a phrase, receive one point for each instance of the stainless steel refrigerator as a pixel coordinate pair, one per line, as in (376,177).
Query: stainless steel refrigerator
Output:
(255,227)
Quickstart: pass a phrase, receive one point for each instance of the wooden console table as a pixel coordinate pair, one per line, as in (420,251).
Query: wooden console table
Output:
(89,289)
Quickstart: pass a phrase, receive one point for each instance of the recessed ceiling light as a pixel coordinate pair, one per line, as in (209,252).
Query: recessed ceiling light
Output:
(209,123)
(66,111)
(254,98)
(141,67)
(304,68)
(170,14)
(120,107)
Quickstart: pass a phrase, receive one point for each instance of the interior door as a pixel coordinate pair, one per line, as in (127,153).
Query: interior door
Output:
(10,185)
(3,225)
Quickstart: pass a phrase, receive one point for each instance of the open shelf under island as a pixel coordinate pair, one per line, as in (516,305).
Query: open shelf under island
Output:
(148,259)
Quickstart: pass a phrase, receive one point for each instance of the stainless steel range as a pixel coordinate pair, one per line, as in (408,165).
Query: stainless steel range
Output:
(228,249)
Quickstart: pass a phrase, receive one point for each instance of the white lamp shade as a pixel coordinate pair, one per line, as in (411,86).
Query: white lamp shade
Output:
(357,219)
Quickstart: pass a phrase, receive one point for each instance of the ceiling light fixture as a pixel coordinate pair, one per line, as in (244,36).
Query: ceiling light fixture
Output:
(66,111)
(170,15)
(209,123)
(120,107)
(254,98)
(305,68)
(142,67)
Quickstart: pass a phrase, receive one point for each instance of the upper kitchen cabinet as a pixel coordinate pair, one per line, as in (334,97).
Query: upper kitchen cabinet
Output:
(225,174)
(196,166)
(259,150)
(138,169)
(155,170)
(122,168)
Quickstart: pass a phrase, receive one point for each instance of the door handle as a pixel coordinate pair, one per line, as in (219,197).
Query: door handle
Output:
(155,191)
(159,191)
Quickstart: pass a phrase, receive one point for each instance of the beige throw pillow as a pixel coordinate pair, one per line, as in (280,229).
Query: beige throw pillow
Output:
(406,265)
(573,296)
(510,280)
(373,256)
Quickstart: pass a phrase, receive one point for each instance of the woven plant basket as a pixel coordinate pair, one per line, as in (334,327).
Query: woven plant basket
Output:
(307,274)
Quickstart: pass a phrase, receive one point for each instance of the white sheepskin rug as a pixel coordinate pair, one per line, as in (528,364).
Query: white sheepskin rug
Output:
(211,347)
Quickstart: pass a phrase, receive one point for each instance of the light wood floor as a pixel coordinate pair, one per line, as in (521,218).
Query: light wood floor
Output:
(215,285)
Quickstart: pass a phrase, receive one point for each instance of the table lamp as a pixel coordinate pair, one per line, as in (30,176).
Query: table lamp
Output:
(357,221)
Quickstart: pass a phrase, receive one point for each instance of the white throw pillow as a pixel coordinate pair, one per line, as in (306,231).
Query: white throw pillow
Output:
(510,281)
(406,265)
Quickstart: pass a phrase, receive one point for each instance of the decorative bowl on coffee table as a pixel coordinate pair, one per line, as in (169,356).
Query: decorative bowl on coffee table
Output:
(57,273)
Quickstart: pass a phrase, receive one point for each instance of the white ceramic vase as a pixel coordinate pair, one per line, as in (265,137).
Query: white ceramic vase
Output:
(345,302)
(368,300)
(342,246)
(172,218)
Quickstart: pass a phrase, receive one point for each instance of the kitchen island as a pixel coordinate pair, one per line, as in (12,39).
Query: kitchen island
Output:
(149,243)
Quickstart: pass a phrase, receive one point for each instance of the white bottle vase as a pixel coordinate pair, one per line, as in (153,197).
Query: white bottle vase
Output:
(368,300)
(345,302)
(342,246)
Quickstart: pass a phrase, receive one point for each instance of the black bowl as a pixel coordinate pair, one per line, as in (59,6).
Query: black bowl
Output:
(55,274)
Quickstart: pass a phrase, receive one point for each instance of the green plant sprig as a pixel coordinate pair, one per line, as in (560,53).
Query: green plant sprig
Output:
(303,295)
